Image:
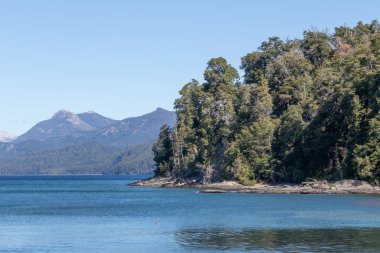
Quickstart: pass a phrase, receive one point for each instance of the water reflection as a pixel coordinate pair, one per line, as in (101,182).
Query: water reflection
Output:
(283,240)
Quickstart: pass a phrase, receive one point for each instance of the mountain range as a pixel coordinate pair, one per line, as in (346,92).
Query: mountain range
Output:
(85,143)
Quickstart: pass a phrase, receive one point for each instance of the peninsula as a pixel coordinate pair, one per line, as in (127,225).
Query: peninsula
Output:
(303,119)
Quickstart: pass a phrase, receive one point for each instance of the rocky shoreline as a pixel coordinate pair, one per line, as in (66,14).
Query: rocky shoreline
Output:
(313,187)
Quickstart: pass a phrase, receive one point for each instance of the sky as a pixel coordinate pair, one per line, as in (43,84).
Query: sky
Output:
(126,58)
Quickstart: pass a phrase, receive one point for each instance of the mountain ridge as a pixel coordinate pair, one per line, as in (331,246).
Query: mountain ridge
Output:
(64,123)
(85,142)
(60,124)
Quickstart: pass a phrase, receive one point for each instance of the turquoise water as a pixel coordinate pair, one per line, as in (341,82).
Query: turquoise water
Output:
(103,214)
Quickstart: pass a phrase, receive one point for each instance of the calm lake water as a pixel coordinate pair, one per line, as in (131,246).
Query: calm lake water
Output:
(103,214)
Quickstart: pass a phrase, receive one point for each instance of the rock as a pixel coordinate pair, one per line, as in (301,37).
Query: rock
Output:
(314,187)
(213,191)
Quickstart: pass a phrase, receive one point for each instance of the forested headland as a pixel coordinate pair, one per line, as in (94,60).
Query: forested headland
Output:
(304,109)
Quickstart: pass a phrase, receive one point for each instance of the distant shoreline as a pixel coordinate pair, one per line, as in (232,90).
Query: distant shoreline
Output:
(48,175)
(342,187)
(69,175)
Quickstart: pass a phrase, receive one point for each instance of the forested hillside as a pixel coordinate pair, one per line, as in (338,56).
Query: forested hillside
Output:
(305,109)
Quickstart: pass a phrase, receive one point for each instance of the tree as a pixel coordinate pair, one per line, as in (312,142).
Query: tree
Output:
(162,150)
(255,64)
(367,156)
(256,142)
(252,102)
(219,73)
(237,167)
(218,114)
(289,80)
(324,149)
(286,134)
(317,47)
(248,156)
(307,108)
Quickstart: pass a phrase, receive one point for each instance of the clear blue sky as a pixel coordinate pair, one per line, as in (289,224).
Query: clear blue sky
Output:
(125,58)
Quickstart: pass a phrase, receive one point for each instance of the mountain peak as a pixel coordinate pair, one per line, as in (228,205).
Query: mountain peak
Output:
(159,109)
(62,123)
(72,119)
(63,114)
(90,112)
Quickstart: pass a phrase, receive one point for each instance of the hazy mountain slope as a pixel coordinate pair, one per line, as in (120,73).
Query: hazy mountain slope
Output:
(6,137)
(137,129)
(88,158)
(61,124)
(96,120)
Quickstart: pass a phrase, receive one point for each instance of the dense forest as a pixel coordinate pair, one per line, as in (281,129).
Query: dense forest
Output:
(305,109)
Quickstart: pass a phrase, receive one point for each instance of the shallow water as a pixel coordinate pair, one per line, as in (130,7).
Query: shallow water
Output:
(103,214)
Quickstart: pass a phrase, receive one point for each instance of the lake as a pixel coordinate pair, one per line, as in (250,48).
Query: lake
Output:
(104,214)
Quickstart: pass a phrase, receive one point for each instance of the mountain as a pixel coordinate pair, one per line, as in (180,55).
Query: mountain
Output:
(62,123)
(137,129)
(96,120)
(85,143)
(67,128)
(7,137)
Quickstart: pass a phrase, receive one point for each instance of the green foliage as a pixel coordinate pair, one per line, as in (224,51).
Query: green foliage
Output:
(306,108)
(255,64)
(317,47)
(219,72)
(253,102)
(255,143)
(327,142)
(367,156)
(163,152)
(286,134)
(289,80)
(237,167)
